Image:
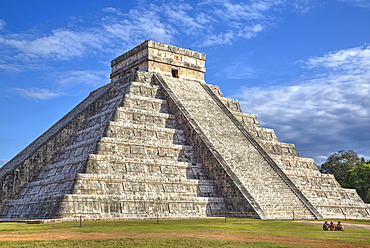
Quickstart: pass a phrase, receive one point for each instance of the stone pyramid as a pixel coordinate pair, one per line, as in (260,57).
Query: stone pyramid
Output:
(158,140)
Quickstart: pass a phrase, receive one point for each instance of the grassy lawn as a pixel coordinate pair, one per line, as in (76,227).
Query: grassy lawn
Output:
(210,232)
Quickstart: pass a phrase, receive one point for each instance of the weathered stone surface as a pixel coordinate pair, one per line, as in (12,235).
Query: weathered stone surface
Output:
(159,140)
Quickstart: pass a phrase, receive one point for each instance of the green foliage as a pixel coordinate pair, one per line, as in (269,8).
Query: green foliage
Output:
(350,171)
(340,163)
(359,179)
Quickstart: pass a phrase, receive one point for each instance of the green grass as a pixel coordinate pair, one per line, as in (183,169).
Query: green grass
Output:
(307,231)
(180,243)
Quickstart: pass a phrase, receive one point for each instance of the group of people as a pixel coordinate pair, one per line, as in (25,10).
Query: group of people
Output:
(332,226)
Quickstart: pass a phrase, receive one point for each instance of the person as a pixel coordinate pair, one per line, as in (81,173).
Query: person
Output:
(332,227)
(325,227)
(339,226)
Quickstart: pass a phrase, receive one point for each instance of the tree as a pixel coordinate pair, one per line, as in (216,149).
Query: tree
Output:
(340,162)
(359,179)
(350,171)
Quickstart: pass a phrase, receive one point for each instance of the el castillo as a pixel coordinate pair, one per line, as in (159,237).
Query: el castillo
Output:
(159,140)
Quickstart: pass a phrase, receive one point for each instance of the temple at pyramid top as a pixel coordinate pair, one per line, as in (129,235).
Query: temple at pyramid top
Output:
(152,56)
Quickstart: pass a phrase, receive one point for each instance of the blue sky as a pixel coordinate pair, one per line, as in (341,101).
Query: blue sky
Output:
(302,66)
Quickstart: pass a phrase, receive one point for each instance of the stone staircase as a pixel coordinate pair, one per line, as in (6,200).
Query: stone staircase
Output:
(275,194)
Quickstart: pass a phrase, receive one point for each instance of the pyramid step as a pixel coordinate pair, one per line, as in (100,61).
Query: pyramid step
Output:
(126,125)
(158,169)
(155,160)
(101,118)
(70,164)
(114,146)
(80,148)
(120,88)
(118,143)
(120,198)
(164,154)
(118,206)
(105,183)
(37,189)
(144,89)
(143,178)
(161,138)
(56,178)
(231,104)
(112,103)
(148,199)
(93,131)
(145,103)
(101,163)
(138,116)
(140,133)
(141,189)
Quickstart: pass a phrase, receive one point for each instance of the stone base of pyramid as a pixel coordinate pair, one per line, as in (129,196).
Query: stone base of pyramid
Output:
(159,141)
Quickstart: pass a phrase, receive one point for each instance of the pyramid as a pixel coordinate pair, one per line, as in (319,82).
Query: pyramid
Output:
(159,140)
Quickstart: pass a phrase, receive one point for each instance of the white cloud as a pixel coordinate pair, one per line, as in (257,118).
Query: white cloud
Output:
(149,24)
(36,93)
(240,11)
(253,10)
(237,70)
(203,19)
(177,15)
(357,3)
(19,63)
(2,24)
(302,6)
(220,39)
(85,77)
(251,31)
(61,44)
(66,82)
(356,60)
(326,113)
(204,22)
(112,10)
(142,24)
